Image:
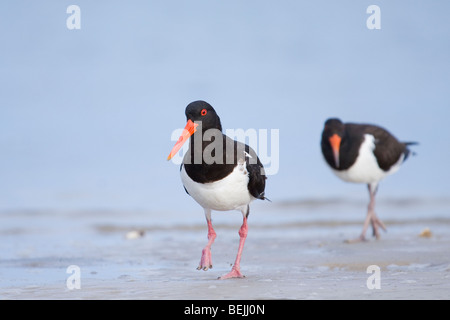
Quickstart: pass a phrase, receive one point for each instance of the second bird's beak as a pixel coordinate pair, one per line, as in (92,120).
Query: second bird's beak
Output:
(335,142)
(188,131)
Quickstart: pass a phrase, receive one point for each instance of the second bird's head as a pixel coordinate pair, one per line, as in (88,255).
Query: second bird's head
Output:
(332,135)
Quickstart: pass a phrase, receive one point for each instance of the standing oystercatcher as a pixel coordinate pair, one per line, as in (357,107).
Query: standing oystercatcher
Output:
(363,153)
(219,173)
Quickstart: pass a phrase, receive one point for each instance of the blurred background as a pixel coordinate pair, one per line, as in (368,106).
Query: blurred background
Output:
(86,116)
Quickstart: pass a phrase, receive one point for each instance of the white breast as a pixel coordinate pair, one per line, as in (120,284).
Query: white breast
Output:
(366,169)
(229,193)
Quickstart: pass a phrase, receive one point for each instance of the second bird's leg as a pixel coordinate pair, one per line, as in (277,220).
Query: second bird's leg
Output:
(371,217)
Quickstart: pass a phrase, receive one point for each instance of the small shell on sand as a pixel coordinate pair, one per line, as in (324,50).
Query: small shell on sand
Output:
(134,234)
(426,233)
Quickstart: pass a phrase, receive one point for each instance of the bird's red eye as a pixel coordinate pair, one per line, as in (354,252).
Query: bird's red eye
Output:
(204,112)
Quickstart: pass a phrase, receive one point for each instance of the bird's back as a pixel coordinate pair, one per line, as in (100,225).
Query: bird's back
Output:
(388,149)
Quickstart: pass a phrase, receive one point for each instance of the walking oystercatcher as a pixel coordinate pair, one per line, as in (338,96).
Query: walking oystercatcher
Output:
(363,153)
(219,173)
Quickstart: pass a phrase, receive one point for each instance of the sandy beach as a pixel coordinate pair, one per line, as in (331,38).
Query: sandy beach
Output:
(294,250)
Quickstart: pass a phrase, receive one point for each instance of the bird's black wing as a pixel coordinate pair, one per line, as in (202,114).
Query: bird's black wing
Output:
(256,174)
(388,149)
(257,179)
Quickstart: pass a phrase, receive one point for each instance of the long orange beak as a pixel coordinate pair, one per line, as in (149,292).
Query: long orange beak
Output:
(188,131)
(335,142)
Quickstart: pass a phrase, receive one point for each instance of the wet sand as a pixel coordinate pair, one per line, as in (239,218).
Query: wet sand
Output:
(294,250)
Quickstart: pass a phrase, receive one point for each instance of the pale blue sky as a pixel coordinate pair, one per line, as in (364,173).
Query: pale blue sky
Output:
(86,115)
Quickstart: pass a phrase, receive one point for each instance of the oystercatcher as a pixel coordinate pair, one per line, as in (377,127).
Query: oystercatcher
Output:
(219,173)
(363,153)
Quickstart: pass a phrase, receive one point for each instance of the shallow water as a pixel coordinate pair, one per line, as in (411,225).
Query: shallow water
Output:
(293,251)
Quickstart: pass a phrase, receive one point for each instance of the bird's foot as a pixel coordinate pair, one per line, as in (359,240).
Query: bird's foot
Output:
(361,238)
(205,261)
(376,224)
(234,273)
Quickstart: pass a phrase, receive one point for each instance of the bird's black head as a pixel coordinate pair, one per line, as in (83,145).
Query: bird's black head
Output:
(202,111)
(199,114)
(332,135)
(333,126)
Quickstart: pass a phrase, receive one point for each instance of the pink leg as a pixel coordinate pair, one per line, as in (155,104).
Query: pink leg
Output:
(374,220)
(371,218)
(206,261)
(236,270)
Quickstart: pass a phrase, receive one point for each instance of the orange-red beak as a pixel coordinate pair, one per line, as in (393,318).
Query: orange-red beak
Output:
(188,131)
(335,142)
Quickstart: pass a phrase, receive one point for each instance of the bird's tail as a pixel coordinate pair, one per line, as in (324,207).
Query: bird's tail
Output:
(262,196)
(407,151)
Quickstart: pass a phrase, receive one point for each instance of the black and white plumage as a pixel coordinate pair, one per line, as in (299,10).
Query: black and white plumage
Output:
(219,173)
(363,153)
